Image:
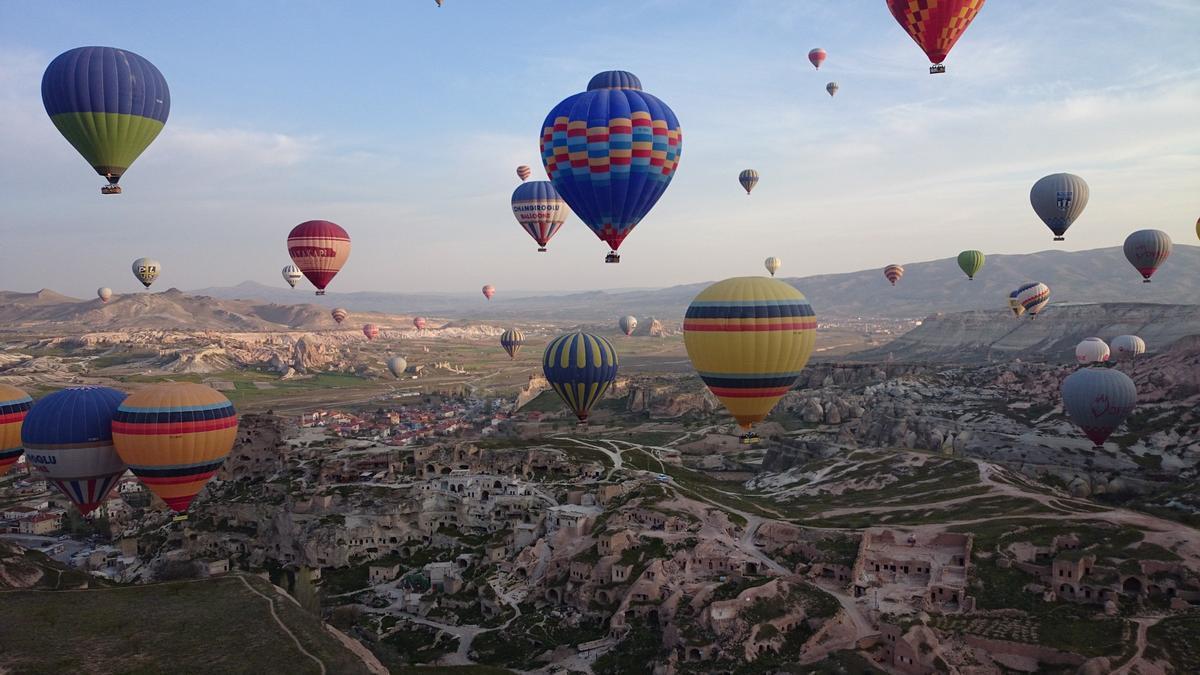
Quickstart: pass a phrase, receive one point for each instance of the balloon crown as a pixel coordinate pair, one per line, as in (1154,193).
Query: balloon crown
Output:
(615,79)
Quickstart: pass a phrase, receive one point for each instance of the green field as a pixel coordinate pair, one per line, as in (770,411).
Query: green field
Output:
(211,625)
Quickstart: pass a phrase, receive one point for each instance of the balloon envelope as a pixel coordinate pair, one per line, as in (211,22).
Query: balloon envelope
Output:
(893,273)
(146,270)
(1091,350)
(339,315)
(110,104)
(772,264)
(104,293)
(397,364)
(1033,297)
(1058,199)
(611,152)
(970,262)
(1098,400)
(68,439)
(935,26)
(817,57)
(14,405)
(371,331)
(320,249)
(1126,347)
(749,338)
(580,367)
(539,210)
(419,322)
(1146,250)
(524,172)
(748,178)
(628,324)
(511,340)
(291,274)
(175,437)
(488,291)
(832,88)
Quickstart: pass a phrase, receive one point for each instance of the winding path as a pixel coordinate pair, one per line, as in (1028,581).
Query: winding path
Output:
(282,626)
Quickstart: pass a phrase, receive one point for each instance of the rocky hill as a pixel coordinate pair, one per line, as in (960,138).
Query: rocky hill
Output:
(996,335)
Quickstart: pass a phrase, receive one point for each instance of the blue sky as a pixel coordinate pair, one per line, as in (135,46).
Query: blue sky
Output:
(404,122)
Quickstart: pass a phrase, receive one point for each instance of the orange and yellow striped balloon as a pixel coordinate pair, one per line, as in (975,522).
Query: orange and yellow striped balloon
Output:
(174,437)
(748,339)
(14,404)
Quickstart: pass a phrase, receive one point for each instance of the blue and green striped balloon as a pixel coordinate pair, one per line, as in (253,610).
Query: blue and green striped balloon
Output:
(109,103)
(580,367)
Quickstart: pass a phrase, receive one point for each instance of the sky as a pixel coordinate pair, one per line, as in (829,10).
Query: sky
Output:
(404,123)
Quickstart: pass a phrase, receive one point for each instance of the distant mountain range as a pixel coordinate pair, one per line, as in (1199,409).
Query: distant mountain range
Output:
(1098,275)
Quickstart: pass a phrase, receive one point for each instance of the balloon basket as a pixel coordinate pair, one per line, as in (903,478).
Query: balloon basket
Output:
(321,292)
(1060,239)
(110,190)
(1145,281)
(541,249)
(750,438)
(937,69)
(179,518)
(612,257)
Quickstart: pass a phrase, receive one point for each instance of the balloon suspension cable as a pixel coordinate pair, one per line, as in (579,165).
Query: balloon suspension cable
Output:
(937,68)
(110,190)
(612,257)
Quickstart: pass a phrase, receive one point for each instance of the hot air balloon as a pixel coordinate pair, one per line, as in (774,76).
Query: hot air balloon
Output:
(935,25)
(1125,347)
(68,440)
(1098,400)
(580,367)
(488,291)
(1058,199)
(817,57)
(772,264)
(14,405)
(893,273)
(1146,250)
(1033,297)
(832,88)
(146,270)
(104,293)
(419,322)
(175,437)
(748,178)
(319,248)
(539,209)
(524,172)
(1091,350)
(748,339)
(371,331)
(970,262)
(339,315)
(397,364)
(511,340)
(611,152)
(1014,304)
(109,103)
(628,324)
(291,274)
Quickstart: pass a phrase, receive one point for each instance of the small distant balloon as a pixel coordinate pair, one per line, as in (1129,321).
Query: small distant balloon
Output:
(832,88)
(488,291)
(970,262)
(628,324)
(1059,199)
(1147,250)
(104,293)
(817,57)
(292,275)
(524,172)
(893,273)
(1125,347)
(1033,297)
(580,367)
(539,210)
(1098,400)
(772,264)
(1091,350)
(512,340)
(146,270)
(397,364)
(419,322)
(339,315)
(371,331)
(320,249)
(748,178)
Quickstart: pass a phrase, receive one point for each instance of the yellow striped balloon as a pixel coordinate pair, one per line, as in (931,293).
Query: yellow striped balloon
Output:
(174,437)
(580,367)
(14,404)
(748,339)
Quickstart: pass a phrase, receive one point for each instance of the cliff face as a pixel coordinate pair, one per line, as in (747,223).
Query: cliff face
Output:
(972,337)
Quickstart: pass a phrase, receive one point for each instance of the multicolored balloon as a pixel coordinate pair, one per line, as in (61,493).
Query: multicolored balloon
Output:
(935,25)
(1091,350)
(488,291)
(14,405)
(175,437)
(524,172)
(146,270)
(970,262)
(1014,304)
(893,273)
(539,210)
(1059,199)
(292,275)
(628,324)
(419,322)
(832,88)
(1146,250)
(68,439)
(104,293)
(512,340)
(1098,400)
(749,338)
(772,264)
(580,367)
(817,57)
(371,331)
(611,152)
(397,364)
(109,103)
(1033,297)
(320,249)
(748,178)
(1126,347)
(339,315)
